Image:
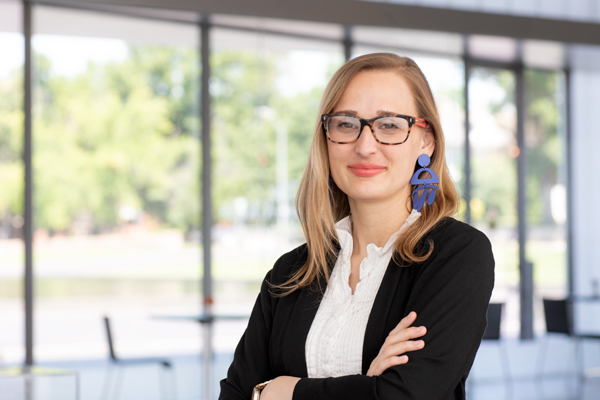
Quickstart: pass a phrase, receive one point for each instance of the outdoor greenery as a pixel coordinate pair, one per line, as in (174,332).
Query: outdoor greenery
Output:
(495,177)
(120,142)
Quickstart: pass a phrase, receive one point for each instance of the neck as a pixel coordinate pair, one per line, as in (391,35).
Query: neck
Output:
(376,222)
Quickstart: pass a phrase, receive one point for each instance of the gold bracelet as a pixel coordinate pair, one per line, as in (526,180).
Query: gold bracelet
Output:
(258,389)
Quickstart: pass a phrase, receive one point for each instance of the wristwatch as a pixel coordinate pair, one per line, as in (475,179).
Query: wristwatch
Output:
(258,389)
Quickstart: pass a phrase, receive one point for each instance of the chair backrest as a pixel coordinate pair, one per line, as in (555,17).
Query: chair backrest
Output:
(494,318)
(557,316)
(109,338)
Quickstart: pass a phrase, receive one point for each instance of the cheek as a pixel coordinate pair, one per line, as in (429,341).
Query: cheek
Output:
(403,167)
(335,159)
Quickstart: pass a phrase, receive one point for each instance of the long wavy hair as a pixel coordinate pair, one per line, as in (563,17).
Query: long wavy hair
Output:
(320,204)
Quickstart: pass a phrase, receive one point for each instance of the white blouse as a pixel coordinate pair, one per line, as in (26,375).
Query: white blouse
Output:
(335,342)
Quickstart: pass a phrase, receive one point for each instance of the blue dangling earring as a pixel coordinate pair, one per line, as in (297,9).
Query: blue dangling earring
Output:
(425,184)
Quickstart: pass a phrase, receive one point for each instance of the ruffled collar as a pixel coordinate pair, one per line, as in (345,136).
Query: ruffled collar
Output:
(344,231)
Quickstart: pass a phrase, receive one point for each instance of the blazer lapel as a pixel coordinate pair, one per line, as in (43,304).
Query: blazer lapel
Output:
(379,324)
(304,313)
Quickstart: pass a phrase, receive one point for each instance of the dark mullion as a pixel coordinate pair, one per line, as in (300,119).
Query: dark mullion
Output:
(28,204)
(525,267)
(467,148)
(569,181)
(207,299)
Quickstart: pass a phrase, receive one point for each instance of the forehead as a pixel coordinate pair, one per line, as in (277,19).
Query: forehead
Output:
(371,91)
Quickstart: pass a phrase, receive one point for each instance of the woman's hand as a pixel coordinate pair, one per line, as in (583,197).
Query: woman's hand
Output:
(396,344)
(280,388)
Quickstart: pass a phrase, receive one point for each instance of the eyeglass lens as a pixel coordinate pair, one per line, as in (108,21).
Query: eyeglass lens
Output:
(387,129)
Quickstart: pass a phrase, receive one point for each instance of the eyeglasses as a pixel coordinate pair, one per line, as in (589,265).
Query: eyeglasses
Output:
(387,129)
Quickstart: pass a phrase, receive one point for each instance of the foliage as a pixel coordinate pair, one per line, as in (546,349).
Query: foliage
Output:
(124,136)
(11,133)
(495,176)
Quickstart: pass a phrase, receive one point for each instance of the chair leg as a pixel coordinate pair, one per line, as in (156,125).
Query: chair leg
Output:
(173,383)
(505,369)
(167,374)
(542,357)
(579,364)
(107,382)
(118,381)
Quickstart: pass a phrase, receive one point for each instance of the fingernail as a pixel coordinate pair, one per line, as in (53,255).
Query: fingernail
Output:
(420,342)
(404,358)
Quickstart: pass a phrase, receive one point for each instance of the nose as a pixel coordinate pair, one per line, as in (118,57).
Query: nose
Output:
(366,143)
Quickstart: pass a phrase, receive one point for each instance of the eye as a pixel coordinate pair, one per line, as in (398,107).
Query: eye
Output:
(346,125)
(389,125)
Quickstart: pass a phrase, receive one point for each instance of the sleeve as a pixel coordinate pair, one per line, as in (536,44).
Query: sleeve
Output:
(251,362)
(450,296)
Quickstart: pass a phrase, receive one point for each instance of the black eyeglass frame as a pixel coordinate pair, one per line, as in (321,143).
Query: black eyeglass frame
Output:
(364,122)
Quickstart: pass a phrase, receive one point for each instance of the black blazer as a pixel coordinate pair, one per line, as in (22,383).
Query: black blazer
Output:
(450,292)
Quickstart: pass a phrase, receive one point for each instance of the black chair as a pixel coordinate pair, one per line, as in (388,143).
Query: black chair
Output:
(119,363)
(560,321)
(492,333)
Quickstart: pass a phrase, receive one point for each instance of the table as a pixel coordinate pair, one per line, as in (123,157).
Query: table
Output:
(29,373)
(206,320)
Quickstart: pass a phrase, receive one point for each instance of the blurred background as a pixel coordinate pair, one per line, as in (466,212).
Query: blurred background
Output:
(150,153)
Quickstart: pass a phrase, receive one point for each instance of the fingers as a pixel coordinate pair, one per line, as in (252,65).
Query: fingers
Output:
(390,362)
(377,368)
(406,334)
(405,322)
(401,348)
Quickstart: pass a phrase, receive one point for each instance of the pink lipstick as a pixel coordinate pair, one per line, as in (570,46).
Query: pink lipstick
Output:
(366,169)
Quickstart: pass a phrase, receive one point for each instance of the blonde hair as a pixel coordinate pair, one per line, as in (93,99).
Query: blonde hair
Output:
(320,205)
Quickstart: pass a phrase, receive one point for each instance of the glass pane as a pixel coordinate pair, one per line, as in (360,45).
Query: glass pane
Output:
(266,91)
(409,40)
(12,349)
(331,31)
(543,54)
(117,198)
(494,179)
(546,186)
(493,48)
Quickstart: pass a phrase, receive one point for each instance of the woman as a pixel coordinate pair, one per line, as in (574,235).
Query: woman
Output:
(336,317)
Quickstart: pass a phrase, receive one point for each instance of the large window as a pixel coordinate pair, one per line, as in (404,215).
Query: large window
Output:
(494,178)
(11,179)
(117,198)
(545,138)
(117,168)
(265,91)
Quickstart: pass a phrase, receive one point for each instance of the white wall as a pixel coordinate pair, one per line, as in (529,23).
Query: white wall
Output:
(585,156)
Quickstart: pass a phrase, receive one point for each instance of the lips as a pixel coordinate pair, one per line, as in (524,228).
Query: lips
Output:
(366,169)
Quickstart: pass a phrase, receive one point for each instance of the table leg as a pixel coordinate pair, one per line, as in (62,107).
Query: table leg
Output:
(207,360)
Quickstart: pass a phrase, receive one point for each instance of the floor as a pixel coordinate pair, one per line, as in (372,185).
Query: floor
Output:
(520,379)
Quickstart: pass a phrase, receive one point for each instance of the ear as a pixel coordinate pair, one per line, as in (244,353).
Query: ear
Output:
(427,143)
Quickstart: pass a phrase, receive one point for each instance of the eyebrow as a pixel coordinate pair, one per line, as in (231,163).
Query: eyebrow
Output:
(379,112)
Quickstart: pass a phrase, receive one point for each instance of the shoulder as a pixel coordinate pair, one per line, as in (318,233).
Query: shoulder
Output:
(450,232)
(455,240)
(288,264)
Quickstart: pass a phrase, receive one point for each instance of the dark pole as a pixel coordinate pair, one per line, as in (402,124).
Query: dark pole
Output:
(206,205)
(206,164)
(347,42)
(27,154)
(569,182)
(467,161)
(525,267)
